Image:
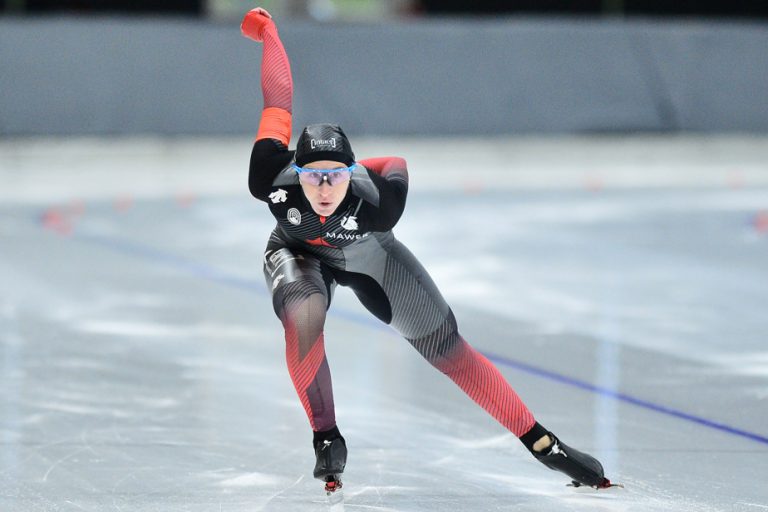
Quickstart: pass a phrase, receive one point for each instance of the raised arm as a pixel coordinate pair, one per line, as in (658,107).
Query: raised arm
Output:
(276,80)
(270,151)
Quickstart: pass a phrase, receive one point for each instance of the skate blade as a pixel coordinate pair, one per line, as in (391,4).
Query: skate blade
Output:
(333,486)
(607,484)
(335,496)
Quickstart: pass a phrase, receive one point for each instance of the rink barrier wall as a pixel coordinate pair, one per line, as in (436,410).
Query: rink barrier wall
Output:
(173,76)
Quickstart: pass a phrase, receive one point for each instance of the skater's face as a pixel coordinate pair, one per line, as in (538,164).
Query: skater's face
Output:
(325,198)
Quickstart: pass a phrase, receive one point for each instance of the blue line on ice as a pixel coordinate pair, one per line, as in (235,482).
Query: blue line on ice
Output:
(564,379)
(213,274)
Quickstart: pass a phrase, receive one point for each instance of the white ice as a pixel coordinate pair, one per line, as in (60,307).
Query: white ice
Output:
(141,365)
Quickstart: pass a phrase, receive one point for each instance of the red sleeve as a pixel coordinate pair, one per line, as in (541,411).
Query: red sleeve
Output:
(388,167)
(276,79)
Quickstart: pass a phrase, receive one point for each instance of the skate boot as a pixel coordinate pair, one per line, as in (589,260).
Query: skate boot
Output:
(331,460)
(581,467)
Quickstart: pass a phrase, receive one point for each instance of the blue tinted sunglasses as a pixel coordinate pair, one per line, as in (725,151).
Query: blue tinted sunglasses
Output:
(318,176)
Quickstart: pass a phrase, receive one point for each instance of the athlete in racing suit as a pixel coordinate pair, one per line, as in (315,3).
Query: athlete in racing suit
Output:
(348,240)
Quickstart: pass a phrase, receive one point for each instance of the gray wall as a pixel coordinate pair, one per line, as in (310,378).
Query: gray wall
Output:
(168,76)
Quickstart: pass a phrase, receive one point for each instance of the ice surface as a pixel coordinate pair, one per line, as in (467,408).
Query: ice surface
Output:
(619,284)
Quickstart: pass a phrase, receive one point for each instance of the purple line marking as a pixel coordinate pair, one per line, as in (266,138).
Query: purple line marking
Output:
(622,397)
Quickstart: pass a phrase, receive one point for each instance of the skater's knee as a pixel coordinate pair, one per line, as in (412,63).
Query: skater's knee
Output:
(439,344)
(293,298)
(446,345)
(305,312)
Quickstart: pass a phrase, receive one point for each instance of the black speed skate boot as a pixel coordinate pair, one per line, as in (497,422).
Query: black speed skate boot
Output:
(581,467)
(331,459)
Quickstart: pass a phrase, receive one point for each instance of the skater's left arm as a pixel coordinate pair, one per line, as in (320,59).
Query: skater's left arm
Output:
(390,176)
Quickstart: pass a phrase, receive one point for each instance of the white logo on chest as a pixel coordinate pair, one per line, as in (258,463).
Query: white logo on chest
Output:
(279,196)
(349,223)
(294,216)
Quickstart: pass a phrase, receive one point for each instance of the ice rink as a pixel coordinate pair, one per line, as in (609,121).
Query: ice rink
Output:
(620,284)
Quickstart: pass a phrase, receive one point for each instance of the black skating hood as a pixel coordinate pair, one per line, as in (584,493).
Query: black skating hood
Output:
(323,142)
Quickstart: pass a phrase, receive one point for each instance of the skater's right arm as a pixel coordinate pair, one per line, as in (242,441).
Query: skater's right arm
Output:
(270,151)
(390,175)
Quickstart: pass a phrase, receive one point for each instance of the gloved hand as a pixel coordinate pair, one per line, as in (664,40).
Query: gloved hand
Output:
(255,22)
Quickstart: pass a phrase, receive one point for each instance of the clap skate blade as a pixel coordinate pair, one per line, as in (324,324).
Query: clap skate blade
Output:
(332,484)
(605,484)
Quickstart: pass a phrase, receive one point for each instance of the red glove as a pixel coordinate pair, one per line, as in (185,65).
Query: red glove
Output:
(255,22)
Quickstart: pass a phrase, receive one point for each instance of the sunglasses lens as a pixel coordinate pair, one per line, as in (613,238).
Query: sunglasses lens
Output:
(335,177)
(316,177)
(311,178)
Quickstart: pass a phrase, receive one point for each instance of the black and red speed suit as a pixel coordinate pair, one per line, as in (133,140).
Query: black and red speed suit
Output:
(308,255)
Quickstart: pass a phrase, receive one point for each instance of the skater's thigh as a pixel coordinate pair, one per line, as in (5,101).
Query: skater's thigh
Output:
(368,290)
(418,307)
(292,276)
(403,295)
(397,289)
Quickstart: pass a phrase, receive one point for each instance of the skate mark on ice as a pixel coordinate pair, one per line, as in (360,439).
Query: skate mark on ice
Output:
(272,497)
(86,448)
(251,480)
(756,505)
